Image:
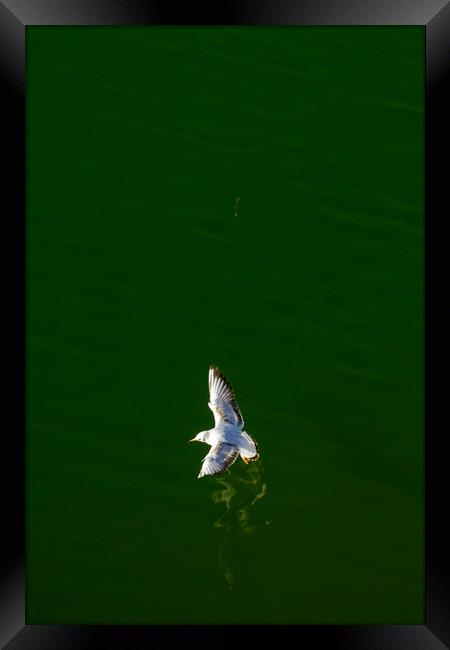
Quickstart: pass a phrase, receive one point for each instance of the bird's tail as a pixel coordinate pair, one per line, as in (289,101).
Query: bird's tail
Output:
(249,451)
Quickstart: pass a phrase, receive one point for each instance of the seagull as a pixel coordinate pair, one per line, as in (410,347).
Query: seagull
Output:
(227,439)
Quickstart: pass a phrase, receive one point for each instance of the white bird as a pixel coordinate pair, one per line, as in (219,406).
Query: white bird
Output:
(227,440)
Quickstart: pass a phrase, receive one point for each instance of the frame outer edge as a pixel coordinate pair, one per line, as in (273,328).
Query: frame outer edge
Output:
(12,104)
(231,12)
(437,356)
(12,70)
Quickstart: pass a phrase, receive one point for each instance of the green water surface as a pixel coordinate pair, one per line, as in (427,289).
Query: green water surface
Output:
(141,273)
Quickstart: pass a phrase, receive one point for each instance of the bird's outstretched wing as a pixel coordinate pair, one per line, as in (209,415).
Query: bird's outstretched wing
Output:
(222,400)
(218,459)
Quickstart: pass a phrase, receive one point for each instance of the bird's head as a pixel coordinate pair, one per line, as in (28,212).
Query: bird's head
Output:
(200,437)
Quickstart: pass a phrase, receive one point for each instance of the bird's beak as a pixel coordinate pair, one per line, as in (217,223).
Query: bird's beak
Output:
(193,440)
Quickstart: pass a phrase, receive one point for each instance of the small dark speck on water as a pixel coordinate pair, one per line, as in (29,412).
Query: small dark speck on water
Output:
(236,207)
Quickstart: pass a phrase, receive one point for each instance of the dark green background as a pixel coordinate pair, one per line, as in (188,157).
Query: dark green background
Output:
(310,300)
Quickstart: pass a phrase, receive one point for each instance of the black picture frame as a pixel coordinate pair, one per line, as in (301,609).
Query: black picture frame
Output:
(434,17)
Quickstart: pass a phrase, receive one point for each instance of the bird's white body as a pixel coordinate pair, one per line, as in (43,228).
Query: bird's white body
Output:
(227,439)
(229,435)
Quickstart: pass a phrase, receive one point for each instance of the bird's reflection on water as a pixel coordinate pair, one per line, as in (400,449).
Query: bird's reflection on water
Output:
(237,492)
